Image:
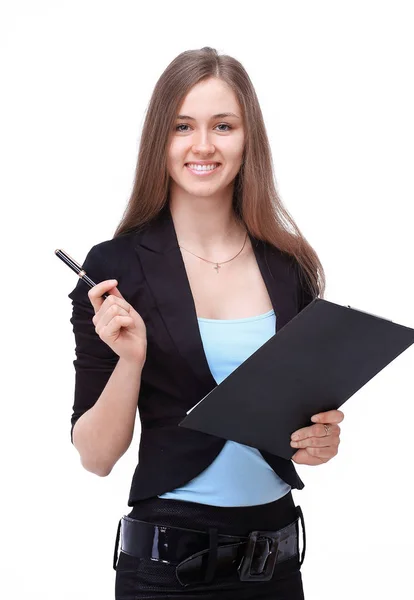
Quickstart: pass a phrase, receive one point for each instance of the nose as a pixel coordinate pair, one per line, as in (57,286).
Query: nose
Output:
(203,144)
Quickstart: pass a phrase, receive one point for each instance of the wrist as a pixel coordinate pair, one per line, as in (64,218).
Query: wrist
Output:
(135,364)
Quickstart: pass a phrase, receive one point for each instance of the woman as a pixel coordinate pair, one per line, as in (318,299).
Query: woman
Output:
(209,272)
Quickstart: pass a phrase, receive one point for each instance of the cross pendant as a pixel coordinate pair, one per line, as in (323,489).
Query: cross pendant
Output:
(217,268)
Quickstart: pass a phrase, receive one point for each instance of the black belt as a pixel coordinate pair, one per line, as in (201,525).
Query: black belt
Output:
(199,556)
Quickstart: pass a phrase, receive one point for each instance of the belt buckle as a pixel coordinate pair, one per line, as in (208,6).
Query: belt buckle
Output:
(259,567)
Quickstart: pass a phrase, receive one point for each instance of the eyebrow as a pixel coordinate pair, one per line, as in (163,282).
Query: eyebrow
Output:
(218,116)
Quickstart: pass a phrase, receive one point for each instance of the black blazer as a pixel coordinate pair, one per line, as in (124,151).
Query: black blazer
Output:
(151,276)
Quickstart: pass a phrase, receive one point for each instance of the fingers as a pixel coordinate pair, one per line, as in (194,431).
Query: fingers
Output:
(95,294)
(330,416)
(313,445)
(314,456)
(112,312)
(111,307)
(112,328)
(304,457)
(315,431)
(323,453)
(317,442)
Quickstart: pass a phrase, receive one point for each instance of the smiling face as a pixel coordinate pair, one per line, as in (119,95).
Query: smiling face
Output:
(206,133)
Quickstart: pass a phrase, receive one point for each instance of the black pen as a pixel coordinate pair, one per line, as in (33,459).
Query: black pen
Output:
(77,268)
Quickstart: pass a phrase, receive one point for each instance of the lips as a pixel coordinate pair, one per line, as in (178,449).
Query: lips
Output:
(202,164)
(203,172)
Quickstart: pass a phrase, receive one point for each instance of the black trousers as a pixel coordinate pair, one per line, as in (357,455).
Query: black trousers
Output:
(142,578)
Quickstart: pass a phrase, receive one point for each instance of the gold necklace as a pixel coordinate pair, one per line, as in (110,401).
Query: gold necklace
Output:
(217,267)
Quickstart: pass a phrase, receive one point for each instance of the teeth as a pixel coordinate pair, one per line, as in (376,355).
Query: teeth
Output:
(202,167)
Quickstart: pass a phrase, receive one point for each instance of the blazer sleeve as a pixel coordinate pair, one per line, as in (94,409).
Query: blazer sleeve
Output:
(95,360)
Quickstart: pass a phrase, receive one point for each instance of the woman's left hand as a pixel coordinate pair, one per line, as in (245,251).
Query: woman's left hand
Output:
(316,447)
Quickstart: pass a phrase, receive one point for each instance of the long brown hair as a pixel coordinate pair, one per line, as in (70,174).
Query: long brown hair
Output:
(255,198)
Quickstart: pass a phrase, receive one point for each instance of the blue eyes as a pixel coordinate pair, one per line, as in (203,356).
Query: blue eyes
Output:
(219,125)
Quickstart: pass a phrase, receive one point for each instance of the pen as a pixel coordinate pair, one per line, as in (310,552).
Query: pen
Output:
(77,268)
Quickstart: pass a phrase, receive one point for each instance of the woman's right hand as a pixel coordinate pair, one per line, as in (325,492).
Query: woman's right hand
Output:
(117,323)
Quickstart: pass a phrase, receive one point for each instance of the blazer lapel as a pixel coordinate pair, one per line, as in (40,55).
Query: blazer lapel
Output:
(165,273)
(278,275)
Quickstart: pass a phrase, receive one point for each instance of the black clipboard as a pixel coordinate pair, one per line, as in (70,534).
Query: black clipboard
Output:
(315,363)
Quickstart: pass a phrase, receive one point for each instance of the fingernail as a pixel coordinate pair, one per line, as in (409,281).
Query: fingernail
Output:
(315,418)
(295,436)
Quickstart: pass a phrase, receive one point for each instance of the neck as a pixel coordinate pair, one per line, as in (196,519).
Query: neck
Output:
(206,227)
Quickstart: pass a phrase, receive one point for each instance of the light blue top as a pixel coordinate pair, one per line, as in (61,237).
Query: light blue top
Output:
(239,475)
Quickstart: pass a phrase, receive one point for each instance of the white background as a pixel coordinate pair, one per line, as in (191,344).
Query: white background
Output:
(335,84)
